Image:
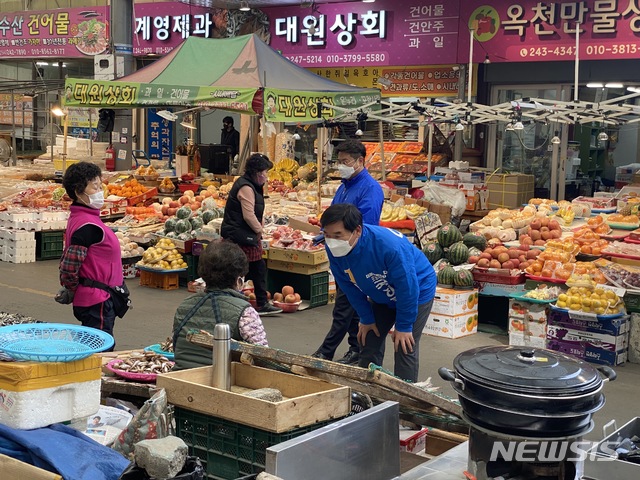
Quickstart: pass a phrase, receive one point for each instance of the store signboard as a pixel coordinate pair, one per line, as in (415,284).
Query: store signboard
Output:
(533,31)
(106,94)
(62,33)
(421,81)
(82,121)
(160,27)
(400,32)
(159,135)
(23,107)
(294,105)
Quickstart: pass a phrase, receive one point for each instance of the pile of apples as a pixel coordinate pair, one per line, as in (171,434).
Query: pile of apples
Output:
(503,257)
(540,230)
(287,295)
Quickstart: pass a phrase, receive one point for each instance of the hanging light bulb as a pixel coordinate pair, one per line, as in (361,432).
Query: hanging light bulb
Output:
(603,137)
(358,133)
(518,126)
(296,136)
(509,127)
(244,7)
(486,59)
(459,127)
(555,140)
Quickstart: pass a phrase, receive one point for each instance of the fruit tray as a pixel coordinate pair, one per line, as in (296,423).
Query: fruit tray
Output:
(623,226)
(159,270)
(140,377)
(546,279)
(620,255)
(521,296)
(579,314)
(632,240)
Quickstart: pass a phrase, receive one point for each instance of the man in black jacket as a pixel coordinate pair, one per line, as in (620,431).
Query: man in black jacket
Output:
(230,136)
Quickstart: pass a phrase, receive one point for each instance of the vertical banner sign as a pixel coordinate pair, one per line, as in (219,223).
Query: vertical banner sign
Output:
(82,123)
(534,31)
(159,136)
(409,32)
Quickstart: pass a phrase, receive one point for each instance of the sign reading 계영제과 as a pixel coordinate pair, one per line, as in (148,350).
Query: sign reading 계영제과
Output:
(532,31)
(62,33)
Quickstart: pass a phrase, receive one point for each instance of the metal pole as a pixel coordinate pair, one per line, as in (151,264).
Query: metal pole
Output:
(23,122)
(64,143)
(430,149)
(384,163)
(14,155)
(577,64)
(554,172)
(90,133)
(470,72)
(53,131)
(322,138)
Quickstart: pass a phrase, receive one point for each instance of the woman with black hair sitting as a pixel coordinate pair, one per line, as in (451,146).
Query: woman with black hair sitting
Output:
(222,266)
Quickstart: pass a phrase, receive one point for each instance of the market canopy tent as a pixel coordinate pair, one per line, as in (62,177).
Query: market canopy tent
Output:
(241,74)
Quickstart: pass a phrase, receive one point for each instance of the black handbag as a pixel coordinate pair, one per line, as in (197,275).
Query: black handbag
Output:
(119,295)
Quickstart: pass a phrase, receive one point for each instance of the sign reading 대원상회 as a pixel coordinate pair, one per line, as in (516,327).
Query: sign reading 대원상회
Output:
(62,33)
(403,32)
(531,31)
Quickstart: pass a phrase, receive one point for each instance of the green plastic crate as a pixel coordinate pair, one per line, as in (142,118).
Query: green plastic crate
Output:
(314,287)
(229,450)
(49,245)
(192,269)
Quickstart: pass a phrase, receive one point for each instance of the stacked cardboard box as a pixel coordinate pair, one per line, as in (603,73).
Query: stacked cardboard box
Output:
(454,313)
(527,324)
(509,190)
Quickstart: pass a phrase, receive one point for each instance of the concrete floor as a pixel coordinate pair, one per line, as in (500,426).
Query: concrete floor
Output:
(29,289)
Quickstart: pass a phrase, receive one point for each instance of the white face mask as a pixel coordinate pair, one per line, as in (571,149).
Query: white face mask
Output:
(345,171)
(339,248)
(96,200)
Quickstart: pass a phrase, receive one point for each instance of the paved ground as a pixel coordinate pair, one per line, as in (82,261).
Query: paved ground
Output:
(29,289)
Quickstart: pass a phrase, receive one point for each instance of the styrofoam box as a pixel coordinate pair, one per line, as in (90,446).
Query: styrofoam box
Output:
(455,302)
(34,395)
(519,339)
(451,326)
(16,235)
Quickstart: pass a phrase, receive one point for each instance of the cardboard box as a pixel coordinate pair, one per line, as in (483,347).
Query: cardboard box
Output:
(413,441)
(509,190)
(455,302)
(476,195)
(427,226)
(451,326)
(298,256)
(588,322)
(604,341)
(307,400)
(303,225)
(588,352)
(297,267)
(519,339)
(443,211)
(527,318)
(11,468)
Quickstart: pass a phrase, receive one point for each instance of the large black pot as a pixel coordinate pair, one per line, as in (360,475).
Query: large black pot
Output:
(527,392)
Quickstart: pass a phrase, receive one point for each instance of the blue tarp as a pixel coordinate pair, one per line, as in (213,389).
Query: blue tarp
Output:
(63,450)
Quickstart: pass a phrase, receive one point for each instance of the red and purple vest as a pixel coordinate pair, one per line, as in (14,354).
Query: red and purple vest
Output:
(103,262)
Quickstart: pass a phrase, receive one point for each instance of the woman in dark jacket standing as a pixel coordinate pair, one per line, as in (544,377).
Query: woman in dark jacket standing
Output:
(243,221)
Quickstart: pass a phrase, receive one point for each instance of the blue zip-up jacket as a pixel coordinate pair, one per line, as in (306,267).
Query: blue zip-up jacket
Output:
(363,192)
(384,266)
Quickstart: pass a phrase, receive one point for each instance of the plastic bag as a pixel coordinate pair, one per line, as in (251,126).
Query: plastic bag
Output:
(451,197)
(150,422)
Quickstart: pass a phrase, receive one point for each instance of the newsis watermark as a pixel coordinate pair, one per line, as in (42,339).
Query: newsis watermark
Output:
(553,451)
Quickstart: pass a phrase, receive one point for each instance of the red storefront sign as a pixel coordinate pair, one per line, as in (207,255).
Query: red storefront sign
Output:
(63,33)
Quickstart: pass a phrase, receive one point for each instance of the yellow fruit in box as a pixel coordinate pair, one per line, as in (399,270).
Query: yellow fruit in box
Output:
(599,311)
(561,304)
(563,298)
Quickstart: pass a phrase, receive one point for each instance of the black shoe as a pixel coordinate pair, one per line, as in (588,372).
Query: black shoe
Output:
(268,309)
(350,358)
(319,355)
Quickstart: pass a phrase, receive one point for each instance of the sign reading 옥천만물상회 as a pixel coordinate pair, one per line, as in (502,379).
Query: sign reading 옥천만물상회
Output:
(532,31)
(408,32)
(63,33)
(420,81)
(100,93)
(293,105)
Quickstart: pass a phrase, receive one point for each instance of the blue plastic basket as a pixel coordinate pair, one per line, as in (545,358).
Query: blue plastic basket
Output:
(52,342)
(155,348)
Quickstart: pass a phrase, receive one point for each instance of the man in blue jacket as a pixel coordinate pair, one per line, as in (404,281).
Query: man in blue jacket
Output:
(387,280)
(360,189)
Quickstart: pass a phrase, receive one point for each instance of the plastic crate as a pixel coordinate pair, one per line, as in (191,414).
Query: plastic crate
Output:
(163,281)
(192,266)
(49,245)
(229,450)
(314,287)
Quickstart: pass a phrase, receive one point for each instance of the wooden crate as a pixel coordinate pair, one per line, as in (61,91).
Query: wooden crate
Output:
(163,281)
(307,400)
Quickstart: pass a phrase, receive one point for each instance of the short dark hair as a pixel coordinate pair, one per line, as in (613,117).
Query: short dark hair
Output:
(78,176)
(257,163)
(346,213)
(221,263)
(355,148)
(228,120)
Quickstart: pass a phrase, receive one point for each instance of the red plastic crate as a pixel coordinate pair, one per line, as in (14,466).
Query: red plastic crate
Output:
(497,275)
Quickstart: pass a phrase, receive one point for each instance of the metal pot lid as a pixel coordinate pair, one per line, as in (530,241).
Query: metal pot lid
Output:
(527,370)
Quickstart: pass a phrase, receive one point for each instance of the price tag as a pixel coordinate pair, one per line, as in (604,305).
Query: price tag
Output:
(589,317)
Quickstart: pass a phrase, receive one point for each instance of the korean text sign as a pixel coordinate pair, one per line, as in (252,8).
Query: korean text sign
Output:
(63,33)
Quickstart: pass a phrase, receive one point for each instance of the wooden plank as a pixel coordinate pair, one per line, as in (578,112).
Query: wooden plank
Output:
(318,402)
(347,371)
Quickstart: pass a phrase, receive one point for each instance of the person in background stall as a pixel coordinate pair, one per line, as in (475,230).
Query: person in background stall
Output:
(387,280)
(360,189)
(230,136)
(92,250)
(222,266)
(243,221)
